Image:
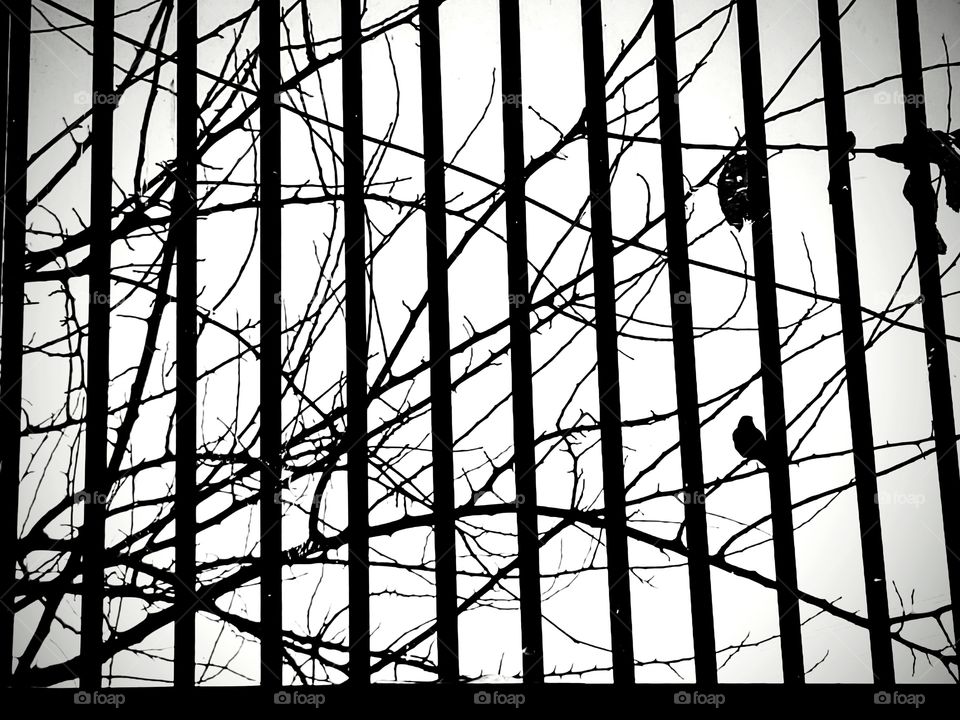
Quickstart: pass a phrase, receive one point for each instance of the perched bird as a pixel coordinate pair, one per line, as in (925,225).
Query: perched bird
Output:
(749,441)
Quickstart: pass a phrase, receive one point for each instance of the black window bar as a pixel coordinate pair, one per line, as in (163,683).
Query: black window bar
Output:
(11,362)
(96,480)
(685,362)
(855,361)
(758,188)
(355,281)
(608,370)
(271,558)
(4,69)
(441,402)
(928,267)
(184,238)
(521,372)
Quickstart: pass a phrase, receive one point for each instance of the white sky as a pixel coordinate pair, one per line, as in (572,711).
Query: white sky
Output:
(827,549)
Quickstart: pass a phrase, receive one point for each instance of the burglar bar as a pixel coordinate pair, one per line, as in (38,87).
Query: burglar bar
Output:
(758,188)
(271,611)
(96,480)
(608,371)
(183,231)
(858,389)
(684,354)
(355,281)
(4,66)
(521,370)
(11,360)
(928,266)
(445,547)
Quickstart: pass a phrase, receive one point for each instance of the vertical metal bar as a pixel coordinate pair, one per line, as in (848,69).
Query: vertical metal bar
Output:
(11,360)
(608,370)
(4,67)
(858,389)
(521,370)
(928,265)
(183,233)
(684,354)
(355,260)
(781,506)
(441,413)
(271,612)
(96,481)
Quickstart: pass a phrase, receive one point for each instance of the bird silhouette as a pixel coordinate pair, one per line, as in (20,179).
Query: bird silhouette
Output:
(749,441)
